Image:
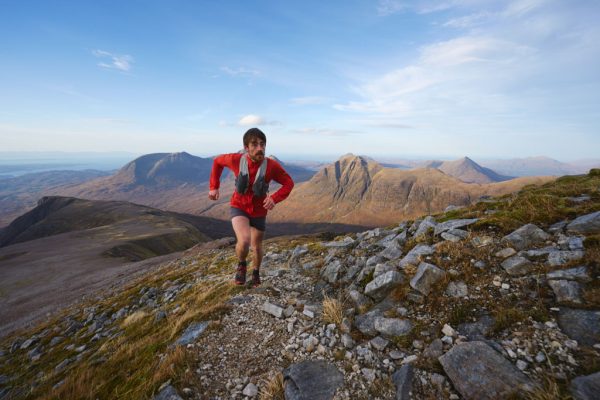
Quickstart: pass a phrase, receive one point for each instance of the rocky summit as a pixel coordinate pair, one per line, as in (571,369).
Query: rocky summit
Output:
(507,308)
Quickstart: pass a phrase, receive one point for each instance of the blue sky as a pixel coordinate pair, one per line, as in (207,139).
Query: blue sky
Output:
(483,78)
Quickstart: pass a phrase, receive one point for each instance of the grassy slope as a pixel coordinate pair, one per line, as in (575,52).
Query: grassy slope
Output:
(134,364)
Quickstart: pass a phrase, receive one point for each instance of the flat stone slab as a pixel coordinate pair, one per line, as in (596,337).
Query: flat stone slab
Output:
(579,274)
(566,291)
(453,224)
(392,327)
(381,286)
(581,325)
(168,393)
(478,372)
(426,277)
(557,258)
(586,387)
(587,224)
(192,333)
(403,379)
(526,236)
(312,380)
(517,265)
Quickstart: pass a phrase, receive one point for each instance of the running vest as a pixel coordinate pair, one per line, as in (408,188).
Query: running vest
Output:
(260,188)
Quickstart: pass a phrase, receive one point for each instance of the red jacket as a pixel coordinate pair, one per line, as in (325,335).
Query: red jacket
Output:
(248,202)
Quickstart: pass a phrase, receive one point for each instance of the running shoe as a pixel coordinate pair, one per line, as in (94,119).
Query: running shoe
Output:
(240,275)
(255,278)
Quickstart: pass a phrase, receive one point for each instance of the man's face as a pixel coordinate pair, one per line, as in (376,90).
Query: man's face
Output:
(256,149)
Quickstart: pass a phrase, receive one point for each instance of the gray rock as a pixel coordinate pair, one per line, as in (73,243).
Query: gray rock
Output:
(506,252)
(56,340)
(347,341)
(392,327)
(453,224)
(352,272)
(579,274)
(250,390)
(273,309)
(312,380)
(374,260)
(333,271)
(379,343)
(346,242)
(581,325)
(381,286)
(192,333)
(427,275)
(482,241)
(414,256)
(480,264)
(478,372)
(457,289)
(168,393)
(517,265)
(534,254)
(361,301)
(425,225)
(586,387)
(403,379)
(381,269)
(557,227)
(586,224)
(434,350)
(160,315)
(455,235)
(365,323)
(566,291)
(526,236)
(392,251)
(477,330)
(557,258)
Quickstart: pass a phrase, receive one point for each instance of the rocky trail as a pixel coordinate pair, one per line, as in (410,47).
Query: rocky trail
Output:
(437,308)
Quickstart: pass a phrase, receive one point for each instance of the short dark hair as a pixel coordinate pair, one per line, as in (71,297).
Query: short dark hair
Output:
(254,133)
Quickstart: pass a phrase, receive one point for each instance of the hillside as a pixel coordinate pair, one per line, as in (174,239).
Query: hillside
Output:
(469,171)
(20,194)
(175,182)
(496,300)
(354,190)
(65,246)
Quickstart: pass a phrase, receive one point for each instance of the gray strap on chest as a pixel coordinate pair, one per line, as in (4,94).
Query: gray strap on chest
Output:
(260,187)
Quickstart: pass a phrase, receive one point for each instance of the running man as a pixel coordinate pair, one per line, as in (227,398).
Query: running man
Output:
(251,199)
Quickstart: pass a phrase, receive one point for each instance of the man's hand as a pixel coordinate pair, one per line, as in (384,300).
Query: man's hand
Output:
(269,204)
(213,194)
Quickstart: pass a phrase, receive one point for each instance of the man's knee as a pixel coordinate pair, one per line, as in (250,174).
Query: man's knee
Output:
(244,244)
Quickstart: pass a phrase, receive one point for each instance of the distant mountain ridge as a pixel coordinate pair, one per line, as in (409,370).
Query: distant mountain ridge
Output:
(469,171)
(358,190)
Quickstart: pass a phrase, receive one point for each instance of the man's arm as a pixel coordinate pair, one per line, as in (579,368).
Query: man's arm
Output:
(284,179)
(219,162)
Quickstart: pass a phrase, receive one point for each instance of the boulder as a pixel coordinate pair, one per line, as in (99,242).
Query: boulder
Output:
(557,258)
(414,256)
(312,380)
(381,286)
(581,325)
(453,224)
(427,275)
(526,236)
(425,225)
(579,274)
(332,271)
(392,327)
(192,333)
(478,372)
(566,291)
(365,323)
(586,224)
(586,387)
(517,265)
(403,379)
(457,289)
(168,393)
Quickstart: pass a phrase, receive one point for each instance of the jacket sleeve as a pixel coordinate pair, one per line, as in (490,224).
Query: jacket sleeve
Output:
(284,179)
(220,162)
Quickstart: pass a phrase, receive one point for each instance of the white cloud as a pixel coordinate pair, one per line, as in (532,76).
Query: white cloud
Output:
(251,120)
(309,100)
(468,21)
(388,7)
(240,71)
(120,62)
(325,132)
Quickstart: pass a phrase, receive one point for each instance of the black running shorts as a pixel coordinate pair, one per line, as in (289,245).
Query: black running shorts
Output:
(259,223)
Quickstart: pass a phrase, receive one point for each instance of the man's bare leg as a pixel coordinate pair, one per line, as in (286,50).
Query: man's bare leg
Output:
(256,242)
(241,227)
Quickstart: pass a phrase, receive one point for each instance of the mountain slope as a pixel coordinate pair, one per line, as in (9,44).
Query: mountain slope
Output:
(469,171)
(357,191)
